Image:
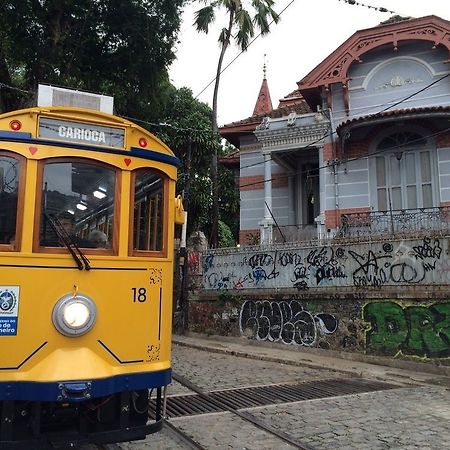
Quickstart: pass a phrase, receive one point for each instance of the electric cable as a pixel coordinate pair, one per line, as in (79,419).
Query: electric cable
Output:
(356,158)
(388,106)
(242,51)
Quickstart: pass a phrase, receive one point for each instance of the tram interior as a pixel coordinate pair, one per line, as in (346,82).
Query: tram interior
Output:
(80,196)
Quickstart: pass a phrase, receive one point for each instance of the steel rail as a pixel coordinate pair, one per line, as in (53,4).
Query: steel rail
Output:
(187,440)
(242,414)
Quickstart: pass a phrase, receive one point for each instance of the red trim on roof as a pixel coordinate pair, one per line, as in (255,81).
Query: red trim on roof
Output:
(394,113)
(263,103)
(334,69)
(293,102)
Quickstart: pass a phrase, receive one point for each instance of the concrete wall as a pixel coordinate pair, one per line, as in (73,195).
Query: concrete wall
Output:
(417,262)
(388,298)
(406,329)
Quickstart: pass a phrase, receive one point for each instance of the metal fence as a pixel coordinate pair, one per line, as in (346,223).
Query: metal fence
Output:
(404,221)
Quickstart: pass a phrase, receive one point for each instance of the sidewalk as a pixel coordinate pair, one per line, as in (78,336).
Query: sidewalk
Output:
(407,372)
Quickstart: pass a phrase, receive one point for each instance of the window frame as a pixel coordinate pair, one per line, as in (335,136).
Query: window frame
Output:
(387,153)
(17,245)
(37,247)
(165,210)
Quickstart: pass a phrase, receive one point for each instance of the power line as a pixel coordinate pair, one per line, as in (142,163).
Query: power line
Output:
(168,125)
(388,106)
(376,8)
(350,2)
(134,119)
(242,51)
(356,158)
(7,86)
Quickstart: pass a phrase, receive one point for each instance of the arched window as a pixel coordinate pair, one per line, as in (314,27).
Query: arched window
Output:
(403,167)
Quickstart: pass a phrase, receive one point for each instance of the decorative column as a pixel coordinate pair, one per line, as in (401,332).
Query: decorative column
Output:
(292,216)
(320,219)
(265,225)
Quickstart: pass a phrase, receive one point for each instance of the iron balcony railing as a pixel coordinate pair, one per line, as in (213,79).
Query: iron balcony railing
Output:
(403,221)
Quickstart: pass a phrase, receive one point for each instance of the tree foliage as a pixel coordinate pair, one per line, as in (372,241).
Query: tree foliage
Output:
(120,48)
(190,137)
(242,18)
(117,47)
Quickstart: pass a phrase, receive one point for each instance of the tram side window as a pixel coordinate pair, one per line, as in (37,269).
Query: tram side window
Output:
(79,198)
(148,211)
(9,194)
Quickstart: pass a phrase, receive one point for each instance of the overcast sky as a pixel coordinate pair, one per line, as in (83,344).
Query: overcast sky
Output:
(309,30)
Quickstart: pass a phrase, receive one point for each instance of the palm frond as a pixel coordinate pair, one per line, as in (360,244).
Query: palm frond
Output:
(204,17)
(264,12)
(245,28)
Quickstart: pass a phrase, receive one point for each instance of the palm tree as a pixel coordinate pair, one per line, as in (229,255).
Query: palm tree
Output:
(241,27)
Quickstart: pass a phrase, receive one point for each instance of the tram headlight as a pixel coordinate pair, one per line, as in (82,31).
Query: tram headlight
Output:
(74,315)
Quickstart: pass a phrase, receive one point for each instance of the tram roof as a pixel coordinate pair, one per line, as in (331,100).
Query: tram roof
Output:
(81,115)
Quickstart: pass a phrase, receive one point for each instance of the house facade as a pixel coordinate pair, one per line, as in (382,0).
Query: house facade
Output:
(364,136)
(345,205)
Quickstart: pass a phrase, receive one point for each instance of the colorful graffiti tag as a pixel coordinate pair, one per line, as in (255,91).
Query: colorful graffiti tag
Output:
(413,330)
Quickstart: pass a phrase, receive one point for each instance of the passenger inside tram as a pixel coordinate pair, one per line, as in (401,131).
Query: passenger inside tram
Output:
(98,238)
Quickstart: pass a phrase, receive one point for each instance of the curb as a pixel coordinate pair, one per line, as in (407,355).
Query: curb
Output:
(421,378)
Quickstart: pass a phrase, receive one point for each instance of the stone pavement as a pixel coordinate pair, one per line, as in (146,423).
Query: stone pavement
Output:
(408,372)
(416,415)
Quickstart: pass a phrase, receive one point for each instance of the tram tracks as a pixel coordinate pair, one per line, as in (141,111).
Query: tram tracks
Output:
(237,401)
(225,406)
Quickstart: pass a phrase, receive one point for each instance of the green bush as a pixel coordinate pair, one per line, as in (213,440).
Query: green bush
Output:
(225,235)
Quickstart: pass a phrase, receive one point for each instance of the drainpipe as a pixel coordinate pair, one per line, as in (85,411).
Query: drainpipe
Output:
(320,220)
(335,161)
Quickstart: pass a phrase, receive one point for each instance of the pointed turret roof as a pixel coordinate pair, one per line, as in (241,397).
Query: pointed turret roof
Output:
(263,102)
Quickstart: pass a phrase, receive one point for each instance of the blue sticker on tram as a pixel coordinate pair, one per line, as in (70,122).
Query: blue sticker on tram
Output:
(9,310)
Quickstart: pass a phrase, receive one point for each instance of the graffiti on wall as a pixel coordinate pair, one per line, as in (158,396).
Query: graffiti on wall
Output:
(362,265)
(413,330)
(285,321)
(404,265)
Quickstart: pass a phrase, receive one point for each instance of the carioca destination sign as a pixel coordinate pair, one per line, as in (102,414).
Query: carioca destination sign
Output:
(85,133)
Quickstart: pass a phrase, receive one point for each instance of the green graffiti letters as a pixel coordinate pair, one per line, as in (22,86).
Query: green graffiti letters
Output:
(389,329)
(414,330)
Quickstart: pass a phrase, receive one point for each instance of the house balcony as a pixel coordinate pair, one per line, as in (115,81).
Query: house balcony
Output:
(370,225)
(403,222)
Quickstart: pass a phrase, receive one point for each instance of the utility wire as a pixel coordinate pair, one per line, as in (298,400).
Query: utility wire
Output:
(242,51)
(356,158)
(350,2)
(388,106)
(134,119)
(7,86)
(165,124)
(377,8)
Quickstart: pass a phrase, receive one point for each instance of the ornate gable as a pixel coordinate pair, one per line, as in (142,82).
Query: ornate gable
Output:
(334,69)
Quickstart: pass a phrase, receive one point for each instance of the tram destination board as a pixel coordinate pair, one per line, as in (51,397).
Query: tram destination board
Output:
(80,132)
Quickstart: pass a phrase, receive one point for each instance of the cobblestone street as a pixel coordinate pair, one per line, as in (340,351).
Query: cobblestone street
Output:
(413,415)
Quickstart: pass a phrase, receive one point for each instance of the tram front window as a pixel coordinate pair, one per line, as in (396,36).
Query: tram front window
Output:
(77,198)
(9,193)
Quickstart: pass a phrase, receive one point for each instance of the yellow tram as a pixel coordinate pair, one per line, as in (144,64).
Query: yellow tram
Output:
(87,213)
